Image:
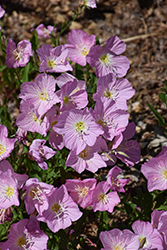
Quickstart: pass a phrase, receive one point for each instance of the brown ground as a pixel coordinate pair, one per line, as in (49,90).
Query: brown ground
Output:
(142,24)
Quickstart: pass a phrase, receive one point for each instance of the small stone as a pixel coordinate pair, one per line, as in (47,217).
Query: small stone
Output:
(75,25)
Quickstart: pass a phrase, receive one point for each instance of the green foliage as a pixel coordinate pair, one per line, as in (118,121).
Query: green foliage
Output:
(161,120)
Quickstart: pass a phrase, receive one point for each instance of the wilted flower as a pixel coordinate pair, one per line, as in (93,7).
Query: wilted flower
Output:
(45,31)
(38,151)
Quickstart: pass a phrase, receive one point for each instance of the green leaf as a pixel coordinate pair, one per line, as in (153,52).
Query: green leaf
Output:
(161,120)
(25,77)
(2,68)
(105,217)
(34,40)
(163,97)
(79,72)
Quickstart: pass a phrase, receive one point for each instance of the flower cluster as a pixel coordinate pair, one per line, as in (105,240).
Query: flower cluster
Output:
(60,120)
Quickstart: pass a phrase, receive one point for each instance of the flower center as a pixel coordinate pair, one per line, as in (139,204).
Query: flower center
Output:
(101,122)
(82,191)
(105,60)
(46,31)
(84,51)
(51,63)
(80,126)
(142,241)
(84,154)
(9,191)
(43,96)
(21,242)
(118,248)
(35,194)
(116,182)
(66,99)
(35,119)
(2,149)
(17,53)
(56,207)
(103,198)
(165,174)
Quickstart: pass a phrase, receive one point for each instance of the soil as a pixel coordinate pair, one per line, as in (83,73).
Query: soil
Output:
(142,24)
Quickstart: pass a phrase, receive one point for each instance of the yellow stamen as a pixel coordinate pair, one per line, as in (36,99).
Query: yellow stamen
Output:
(21,241)
(103,198)
(108,94)
(51,64)
(66,99)
(165,174)
(2,149)
(105,59)
(84,154)
(9,191)
(80,126)
(43,96)
(56,207)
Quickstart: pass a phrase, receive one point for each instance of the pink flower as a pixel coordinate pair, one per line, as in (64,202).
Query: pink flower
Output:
(6,215)
(26,234)
(40,93)
(2,12)
(36,195)
(155,216)
(88,3)
(64,78)
(8,190)
(51,118)
(111,120)
(53,59)
(102,200)
(71,96)
(128,151)
(62,210)
(107,59)
(6,145)
(38,151)
(78,128)
(116,239)
(115,183)
(29,119)
(81,191)
(82,43)
(150,235)
(108,87)
(88,158)
(18,56)
(19,178)
(155,171)
(45,31)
